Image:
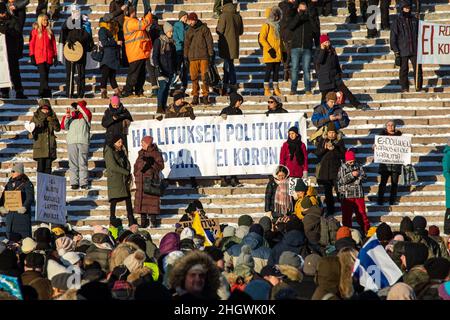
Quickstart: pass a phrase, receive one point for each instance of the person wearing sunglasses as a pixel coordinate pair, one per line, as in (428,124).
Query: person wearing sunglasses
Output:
(274,105)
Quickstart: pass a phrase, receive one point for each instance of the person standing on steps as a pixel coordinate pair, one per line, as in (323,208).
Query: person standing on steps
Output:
(275,105)
(389,170)
(403,40)
(78,124)
(325,8)
(330,152)
(351,5)
(229,28)
(138,47)
(198,53)
(278,201)
(18,8)
(179,33)
(119,178)
(108,36)
(446,173)
(154,31)
(146,4)
(10,27)
(149,164)
(329,73)
(116,121)
(272,48)
(234,109)
(217,9)
(303,29)
(52,10)
(43,52)
(294,156)
(44,138)
(288,10)
(118,9)
(165,60)
(329,111)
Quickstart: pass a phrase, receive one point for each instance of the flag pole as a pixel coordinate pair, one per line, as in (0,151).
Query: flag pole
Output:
(417,64)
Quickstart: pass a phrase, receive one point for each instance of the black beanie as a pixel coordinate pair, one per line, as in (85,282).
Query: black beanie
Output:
(257,228)
(293,129)
(235,97)
(419,223)
(384,232)
(194,206)
(415,253)
(265,223)
(245,220)
(215,253)
(406,225)
(294,223)
(301,186)
(437,268)
(116,138)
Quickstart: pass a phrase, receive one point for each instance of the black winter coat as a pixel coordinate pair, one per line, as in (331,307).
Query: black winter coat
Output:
(277,110)
(404,33)
(293,241)
(330,160)
(74,35)
(10,27)
(289,10)
(327,68)
(271,189)
(165,61)
(304,29)
(115,127)
(231,111)
(390,168)
(111,50)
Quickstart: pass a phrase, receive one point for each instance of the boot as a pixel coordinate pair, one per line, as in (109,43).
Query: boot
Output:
(154,223)
(195,100)
(104,94)
(205,100)
(144,221)
(117,92)
(286,75)
(225,182)
(267,89)
(276,89)
(131,220)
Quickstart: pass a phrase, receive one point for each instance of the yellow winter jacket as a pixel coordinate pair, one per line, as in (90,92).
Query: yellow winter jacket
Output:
(311,194)
(269,39)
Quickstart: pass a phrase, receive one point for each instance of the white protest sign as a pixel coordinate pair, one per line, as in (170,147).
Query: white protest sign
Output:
(5,81)
(392,149)
(51,198)
(433,45)
(212,146)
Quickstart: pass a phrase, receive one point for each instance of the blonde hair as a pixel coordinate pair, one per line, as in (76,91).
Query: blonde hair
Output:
(347,258)
(40,18)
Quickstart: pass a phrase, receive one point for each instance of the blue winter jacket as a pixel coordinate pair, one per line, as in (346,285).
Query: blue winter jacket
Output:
(179,32)
(321,116)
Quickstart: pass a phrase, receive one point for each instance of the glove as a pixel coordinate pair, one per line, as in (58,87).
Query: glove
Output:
(305,175)
(272,53)
(22,210)
(70,45)
(3,211)
(397,59)
(33,60)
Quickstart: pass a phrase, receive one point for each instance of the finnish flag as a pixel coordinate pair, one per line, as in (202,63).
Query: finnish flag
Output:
(374,267)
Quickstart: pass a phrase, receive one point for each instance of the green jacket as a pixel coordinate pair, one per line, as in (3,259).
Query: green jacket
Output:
(44,145)
(118,173)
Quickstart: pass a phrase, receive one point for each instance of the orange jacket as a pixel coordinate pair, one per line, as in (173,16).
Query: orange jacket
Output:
(137,42)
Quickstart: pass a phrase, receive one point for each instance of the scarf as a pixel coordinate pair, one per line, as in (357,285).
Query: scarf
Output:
(275,25)
(295,149)
(283,200)
(117,111)
(165,43)
(111,27)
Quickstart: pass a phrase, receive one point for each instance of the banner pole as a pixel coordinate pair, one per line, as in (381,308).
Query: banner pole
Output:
(416,80)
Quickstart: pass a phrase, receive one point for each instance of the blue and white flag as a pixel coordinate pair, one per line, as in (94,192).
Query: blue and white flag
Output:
(374,267)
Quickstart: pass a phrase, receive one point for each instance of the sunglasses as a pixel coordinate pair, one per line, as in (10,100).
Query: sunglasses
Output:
(270,101)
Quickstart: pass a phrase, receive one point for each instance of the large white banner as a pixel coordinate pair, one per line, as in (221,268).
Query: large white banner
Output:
(433,45)
(5,81)
(51,199)
(392,149)
(212,146)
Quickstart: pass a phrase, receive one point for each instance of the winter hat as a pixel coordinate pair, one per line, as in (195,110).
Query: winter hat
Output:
(384,232)
(401,291)
(187,233)
(324,38)
(291,259)
(300,186)
(199,241)
(415,253)
(3,8)
(122,290)
(44,102)
(187,244)
(258,289)
(419,223)
(181,14)
(235,97)
(195,205)
(116,138)
(148,140)
(437,268)
(277,99)
(265,223)
(257,228)
(294,223)
(356,236)
(331,96)
(58,231)
(107,17)
(34,260)
(170,242)
(293,129)
(192,16)
(229,231)
(434,231)
(115,100)
(63,245)
(271,271)
(70,258)
(99,238)
(444,291)
(242,270)
(245,220)
(345,243)
(406,225)
(245,257)
(242,231)
(331,126)
(60,281)
(54,268)
(350,155)
(19,168)
(310,265)
(167,27)
(404,3)
(135,261)
(171,259)
(343,232)
(215,253)
(28,245)
(178,94)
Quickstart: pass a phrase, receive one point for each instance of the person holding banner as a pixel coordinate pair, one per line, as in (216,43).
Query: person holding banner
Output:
(275,105)
(403,41)
(18,220)
(149,165)
(389,170)
(119,178)
(294,156)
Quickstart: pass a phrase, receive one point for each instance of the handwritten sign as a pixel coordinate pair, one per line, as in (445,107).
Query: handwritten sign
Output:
(13,200)
(207,224)
(392,149)
(51,199)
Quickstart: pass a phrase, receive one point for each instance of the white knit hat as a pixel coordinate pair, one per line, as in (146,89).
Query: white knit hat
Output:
(187,233)
(28,245)
(70,258)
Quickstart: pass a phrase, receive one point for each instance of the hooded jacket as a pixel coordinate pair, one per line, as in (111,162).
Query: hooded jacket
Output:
(179,33)
(44,144)
(327,69)
(78,125)
(293,241)
(404,33)
(116,126)
(198,44)
(446,173)
(327,279)
(269,38)
(42,47)
(118,174)
(229,28)
(259,253)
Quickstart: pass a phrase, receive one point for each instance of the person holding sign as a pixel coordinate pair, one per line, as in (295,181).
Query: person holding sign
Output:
(44,144)
(293,155)
(147,169)
(119,178)
(389,170)
(17,206)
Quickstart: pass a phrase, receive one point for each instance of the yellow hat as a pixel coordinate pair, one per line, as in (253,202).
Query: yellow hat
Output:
(58,231)
(371,231)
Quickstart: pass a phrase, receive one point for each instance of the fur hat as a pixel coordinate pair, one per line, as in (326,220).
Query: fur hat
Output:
(135,261)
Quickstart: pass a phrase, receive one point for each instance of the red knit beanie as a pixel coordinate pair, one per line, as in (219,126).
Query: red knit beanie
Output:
(324,38)
(349,156)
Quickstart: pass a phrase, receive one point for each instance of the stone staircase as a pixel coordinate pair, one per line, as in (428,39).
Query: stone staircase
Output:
(368,66)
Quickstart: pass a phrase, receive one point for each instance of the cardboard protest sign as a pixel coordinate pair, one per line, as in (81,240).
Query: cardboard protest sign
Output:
(13,200)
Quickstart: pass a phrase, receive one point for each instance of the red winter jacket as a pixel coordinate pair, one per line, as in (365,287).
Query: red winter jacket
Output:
(295,169)
(42,48)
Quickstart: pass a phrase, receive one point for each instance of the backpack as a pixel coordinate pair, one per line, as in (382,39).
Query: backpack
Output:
(328,229)
(212,77)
